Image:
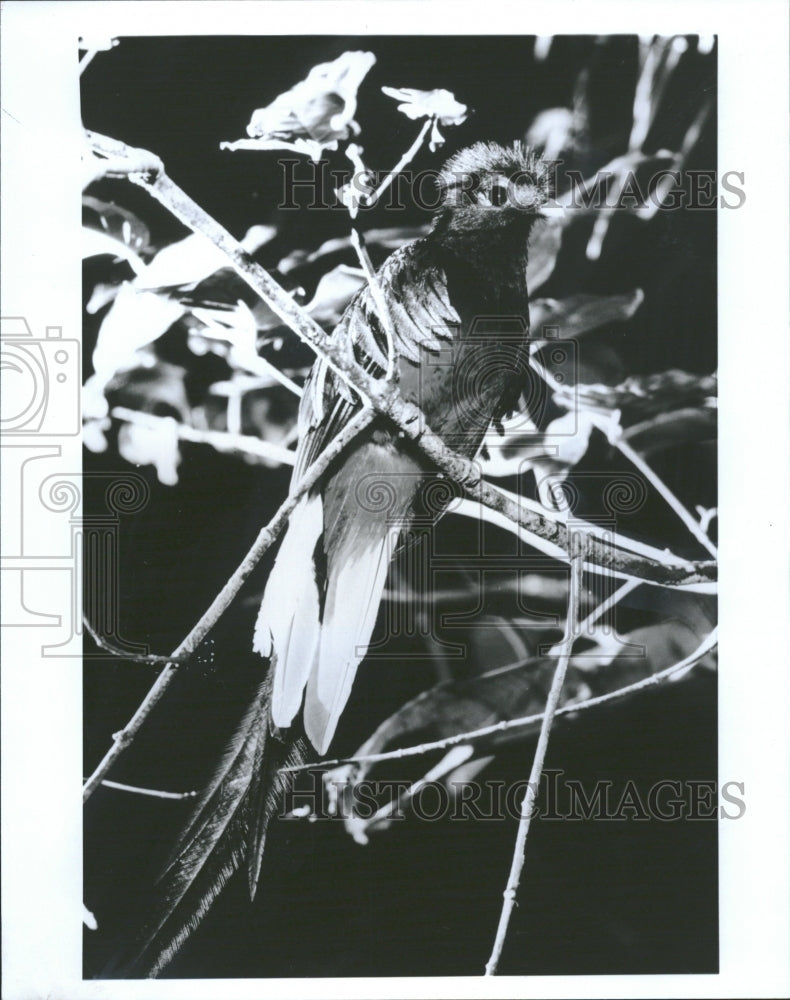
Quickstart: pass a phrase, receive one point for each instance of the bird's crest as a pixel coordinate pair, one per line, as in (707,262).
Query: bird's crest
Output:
(515,162)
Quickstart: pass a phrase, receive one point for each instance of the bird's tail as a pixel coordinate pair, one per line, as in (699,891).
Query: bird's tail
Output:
(314,625)
(318,614)
(289,621)
(227,829)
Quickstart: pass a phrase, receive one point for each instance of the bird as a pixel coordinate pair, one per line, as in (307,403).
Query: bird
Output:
(458,323)
(322,598)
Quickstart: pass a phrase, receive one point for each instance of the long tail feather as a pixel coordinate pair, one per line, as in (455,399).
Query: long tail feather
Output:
(352,603)
(289,619)
(227,827)
(270,784)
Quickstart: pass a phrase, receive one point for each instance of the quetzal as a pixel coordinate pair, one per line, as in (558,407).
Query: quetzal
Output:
(458,306)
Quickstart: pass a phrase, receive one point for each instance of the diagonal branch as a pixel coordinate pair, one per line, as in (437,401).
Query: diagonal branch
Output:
(402,163)
(378,297)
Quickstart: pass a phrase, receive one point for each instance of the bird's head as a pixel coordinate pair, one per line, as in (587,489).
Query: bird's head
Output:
(488,189)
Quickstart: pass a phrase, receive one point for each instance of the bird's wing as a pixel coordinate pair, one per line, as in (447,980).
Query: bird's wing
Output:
(422,317)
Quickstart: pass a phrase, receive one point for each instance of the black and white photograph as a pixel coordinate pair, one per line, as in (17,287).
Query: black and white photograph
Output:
(372,489)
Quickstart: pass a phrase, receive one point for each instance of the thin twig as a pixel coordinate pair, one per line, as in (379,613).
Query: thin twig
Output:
(615,436)
(266,537)
(519,851)
(524,721)
(384,396)
(623,591)
(404,161)
(87,59)
(685,516)
(155,793)
(358,241)
(108,647)
(222,441)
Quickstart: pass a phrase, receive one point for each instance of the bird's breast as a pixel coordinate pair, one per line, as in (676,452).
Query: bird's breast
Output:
(466,384)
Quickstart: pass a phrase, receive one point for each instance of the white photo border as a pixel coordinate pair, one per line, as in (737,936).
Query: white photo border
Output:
(41,281)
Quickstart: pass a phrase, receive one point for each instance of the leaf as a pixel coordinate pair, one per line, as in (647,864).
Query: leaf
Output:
(439,104)
(135,319)
(96,244)
(550,453)
(117,222)
(333,293)
(314,114)
(103,293)
(552,132)
(645,395)
(667,430)
(157,391)
(157,446)
(545,243)
(578,314)
(93,433)
(195,258)
(89,919)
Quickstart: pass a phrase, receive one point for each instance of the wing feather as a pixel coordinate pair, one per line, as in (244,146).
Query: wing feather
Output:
(416,295)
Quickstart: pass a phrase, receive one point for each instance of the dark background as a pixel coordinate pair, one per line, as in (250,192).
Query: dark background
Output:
(423,898)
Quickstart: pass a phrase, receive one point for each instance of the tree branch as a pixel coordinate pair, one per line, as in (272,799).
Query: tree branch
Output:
(524,721)
(403,162)
(383,312)
(222,441)
(519,851)
(108,647)
(154,793)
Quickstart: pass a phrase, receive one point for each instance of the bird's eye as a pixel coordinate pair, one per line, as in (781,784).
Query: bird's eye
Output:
(499,195)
